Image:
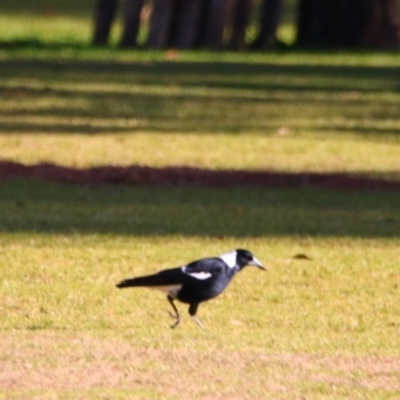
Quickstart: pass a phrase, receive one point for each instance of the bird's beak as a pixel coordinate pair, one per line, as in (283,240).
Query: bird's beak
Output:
(255,263)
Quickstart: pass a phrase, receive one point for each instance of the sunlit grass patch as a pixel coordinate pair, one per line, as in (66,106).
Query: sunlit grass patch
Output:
(59,30)
(69,245)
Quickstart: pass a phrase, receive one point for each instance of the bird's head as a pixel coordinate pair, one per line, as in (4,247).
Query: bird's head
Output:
(246,257)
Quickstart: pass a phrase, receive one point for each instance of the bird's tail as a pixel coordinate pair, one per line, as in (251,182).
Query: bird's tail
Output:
(140,281)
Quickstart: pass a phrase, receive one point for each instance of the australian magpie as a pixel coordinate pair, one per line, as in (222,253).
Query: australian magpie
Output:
(197,281)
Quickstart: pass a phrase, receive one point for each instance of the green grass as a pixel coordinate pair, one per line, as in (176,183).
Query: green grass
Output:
(325,328)
(279,112)
(65,247)
(194,211)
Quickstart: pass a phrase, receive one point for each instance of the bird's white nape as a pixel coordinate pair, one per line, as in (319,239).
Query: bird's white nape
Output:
(229,258)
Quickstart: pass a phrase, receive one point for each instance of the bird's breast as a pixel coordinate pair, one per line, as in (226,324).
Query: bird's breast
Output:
(201,291)
(172,290)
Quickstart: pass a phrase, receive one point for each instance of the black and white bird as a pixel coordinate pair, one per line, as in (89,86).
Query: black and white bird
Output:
(197,281)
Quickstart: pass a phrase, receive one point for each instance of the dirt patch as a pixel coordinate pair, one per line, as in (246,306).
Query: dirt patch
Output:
(181,175)
(64,362)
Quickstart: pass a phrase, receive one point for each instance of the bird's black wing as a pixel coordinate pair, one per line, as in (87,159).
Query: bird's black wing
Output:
(195,271)
(204,269)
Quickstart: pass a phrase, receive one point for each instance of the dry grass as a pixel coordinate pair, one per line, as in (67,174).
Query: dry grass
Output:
(313,329)
(37,364)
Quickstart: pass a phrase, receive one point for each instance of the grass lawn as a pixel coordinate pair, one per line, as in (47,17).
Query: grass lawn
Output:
(265,112)
(325,326)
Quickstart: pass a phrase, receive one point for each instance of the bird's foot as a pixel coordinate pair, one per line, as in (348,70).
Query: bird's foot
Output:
(177,317)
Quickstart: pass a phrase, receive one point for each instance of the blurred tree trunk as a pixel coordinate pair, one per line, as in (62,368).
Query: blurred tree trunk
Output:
(133,9)
(161,23)
(348,23)
(270,16)
(186,26)
(241,17)
(212,27)
(309,24)
(383,28)
(104,16)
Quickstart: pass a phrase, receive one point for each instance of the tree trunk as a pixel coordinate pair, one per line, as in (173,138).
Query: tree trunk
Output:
(383,28)
(160,23)
(133,9)
(215,20)
(104,16)
(270,16)
(348,23)
(310,23)
(186,27)
(241,16)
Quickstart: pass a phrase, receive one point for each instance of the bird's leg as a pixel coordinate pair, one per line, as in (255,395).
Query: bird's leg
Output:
(176,315)
(192,311)
(198,322)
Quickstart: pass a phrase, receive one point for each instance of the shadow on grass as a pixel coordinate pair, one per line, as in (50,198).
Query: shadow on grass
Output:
(190,210)
(259,76)
(214,97)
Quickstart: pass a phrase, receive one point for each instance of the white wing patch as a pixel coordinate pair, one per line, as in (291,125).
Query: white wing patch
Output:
(198,275)
(229,258)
